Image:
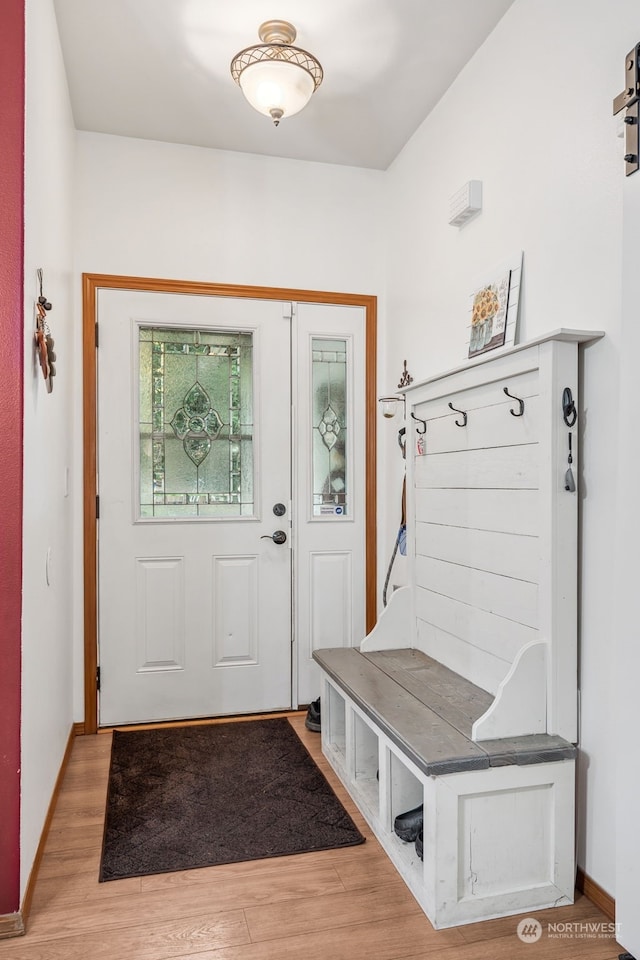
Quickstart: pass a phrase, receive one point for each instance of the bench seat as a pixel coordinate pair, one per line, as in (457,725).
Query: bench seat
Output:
(428,711)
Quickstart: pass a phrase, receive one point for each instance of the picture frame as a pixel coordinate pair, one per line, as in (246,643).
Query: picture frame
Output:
(493,308)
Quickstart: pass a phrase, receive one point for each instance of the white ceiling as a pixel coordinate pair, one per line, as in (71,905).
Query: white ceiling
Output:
(159,70)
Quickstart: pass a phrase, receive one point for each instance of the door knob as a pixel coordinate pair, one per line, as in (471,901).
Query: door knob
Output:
(278,537)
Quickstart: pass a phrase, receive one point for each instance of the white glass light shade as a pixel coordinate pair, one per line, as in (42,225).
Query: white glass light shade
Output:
(277,78)
(276,88)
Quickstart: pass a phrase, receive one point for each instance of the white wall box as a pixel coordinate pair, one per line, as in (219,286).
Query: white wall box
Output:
(464,696)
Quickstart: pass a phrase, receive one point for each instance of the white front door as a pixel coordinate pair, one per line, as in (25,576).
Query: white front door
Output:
(195,476)
(194,451)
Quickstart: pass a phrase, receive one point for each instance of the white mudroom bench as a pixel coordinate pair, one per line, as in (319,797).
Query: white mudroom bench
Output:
(463,698)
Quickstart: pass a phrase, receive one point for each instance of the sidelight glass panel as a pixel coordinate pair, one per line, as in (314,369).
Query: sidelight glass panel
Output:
(196,423)
(329,427)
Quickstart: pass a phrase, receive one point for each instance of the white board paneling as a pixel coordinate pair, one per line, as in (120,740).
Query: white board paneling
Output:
(497,635)
(160,613)
(505,553)
(331,589)
(488,426)
(476,665)
(474,396)
(235,606)
(514,467)
(513,599)
(503,511)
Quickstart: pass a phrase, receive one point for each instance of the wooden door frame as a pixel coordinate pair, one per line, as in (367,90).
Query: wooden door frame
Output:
(91,283)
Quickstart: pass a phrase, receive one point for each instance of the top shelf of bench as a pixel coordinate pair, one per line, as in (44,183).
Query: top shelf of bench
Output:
(562,335)
(428,710)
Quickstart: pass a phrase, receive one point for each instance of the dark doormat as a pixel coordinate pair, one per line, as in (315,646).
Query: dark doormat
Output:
(196,796)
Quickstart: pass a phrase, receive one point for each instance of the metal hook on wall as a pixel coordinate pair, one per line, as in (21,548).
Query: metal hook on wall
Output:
(457,422)
(423,422)
(521,402)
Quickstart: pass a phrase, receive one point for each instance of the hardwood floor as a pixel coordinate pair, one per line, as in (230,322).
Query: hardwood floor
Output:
(345,904)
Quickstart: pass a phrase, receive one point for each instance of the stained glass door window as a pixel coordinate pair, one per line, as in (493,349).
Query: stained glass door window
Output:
(196,423)
(329,414)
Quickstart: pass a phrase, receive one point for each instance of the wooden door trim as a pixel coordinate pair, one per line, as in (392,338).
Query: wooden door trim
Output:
(91,283)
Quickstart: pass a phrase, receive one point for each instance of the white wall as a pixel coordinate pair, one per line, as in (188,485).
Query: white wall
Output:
(530,116)
(48,430)
(161,210)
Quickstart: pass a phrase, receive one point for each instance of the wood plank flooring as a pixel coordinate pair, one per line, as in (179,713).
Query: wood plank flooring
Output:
(345,904)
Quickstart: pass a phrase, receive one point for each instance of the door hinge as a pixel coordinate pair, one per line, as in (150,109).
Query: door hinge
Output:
(97,678)
(287,310)
(97,506)
(96,336)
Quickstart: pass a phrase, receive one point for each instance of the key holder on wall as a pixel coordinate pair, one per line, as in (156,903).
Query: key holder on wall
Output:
(44,342)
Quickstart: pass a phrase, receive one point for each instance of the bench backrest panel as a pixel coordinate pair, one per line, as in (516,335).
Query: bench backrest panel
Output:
(492,532)
(477,520)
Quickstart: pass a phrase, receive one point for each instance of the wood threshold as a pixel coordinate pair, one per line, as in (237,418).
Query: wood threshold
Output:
(33,876)
(203,721)
(91,283)
(594,892)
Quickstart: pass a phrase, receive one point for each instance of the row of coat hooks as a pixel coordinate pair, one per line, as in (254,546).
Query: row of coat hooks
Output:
(462,423)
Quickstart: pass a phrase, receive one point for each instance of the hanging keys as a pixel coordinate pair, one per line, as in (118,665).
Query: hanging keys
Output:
(569,482)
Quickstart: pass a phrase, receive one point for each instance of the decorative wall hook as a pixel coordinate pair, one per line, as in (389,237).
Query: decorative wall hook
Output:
(569,412)
(457,422)
(521,402)
(44,342)
(423,422)
(406,379)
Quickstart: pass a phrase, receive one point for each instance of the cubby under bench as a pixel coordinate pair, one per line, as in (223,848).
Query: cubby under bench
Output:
(498,814)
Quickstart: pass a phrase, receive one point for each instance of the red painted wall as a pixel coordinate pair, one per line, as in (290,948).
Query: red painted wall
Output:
(12,66)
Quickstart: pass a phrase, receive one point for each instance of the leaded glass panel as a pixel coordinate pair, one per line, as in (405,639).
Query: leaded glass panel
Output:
(196,423)
(329,426)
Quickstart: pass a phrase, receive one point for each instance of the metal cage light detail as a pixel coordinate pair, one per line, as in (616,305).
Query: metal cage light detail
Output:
(276,78)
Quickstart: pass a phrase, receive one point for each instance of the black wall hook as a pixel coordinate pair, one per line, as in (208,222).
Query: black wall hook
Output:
(423,422)
(457,422)
(569,412)
(521,402)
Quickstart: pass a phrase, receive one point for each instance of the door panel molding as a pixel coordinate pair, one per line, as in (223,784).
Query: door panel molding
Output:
(91,284)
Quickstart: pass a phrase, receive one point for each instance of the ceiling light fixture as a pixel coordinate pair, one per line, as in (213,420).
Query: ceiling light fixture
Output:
(277,78)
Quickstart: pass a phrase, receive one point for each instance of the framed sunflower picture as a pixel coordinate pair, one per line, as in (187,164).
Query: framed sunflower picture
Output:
(489,315)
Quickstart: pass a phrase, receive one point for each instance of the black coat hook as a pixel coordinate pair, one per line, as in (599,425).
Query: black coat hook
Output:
(569,412)
(521,402)
(457,422)
(423,422)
